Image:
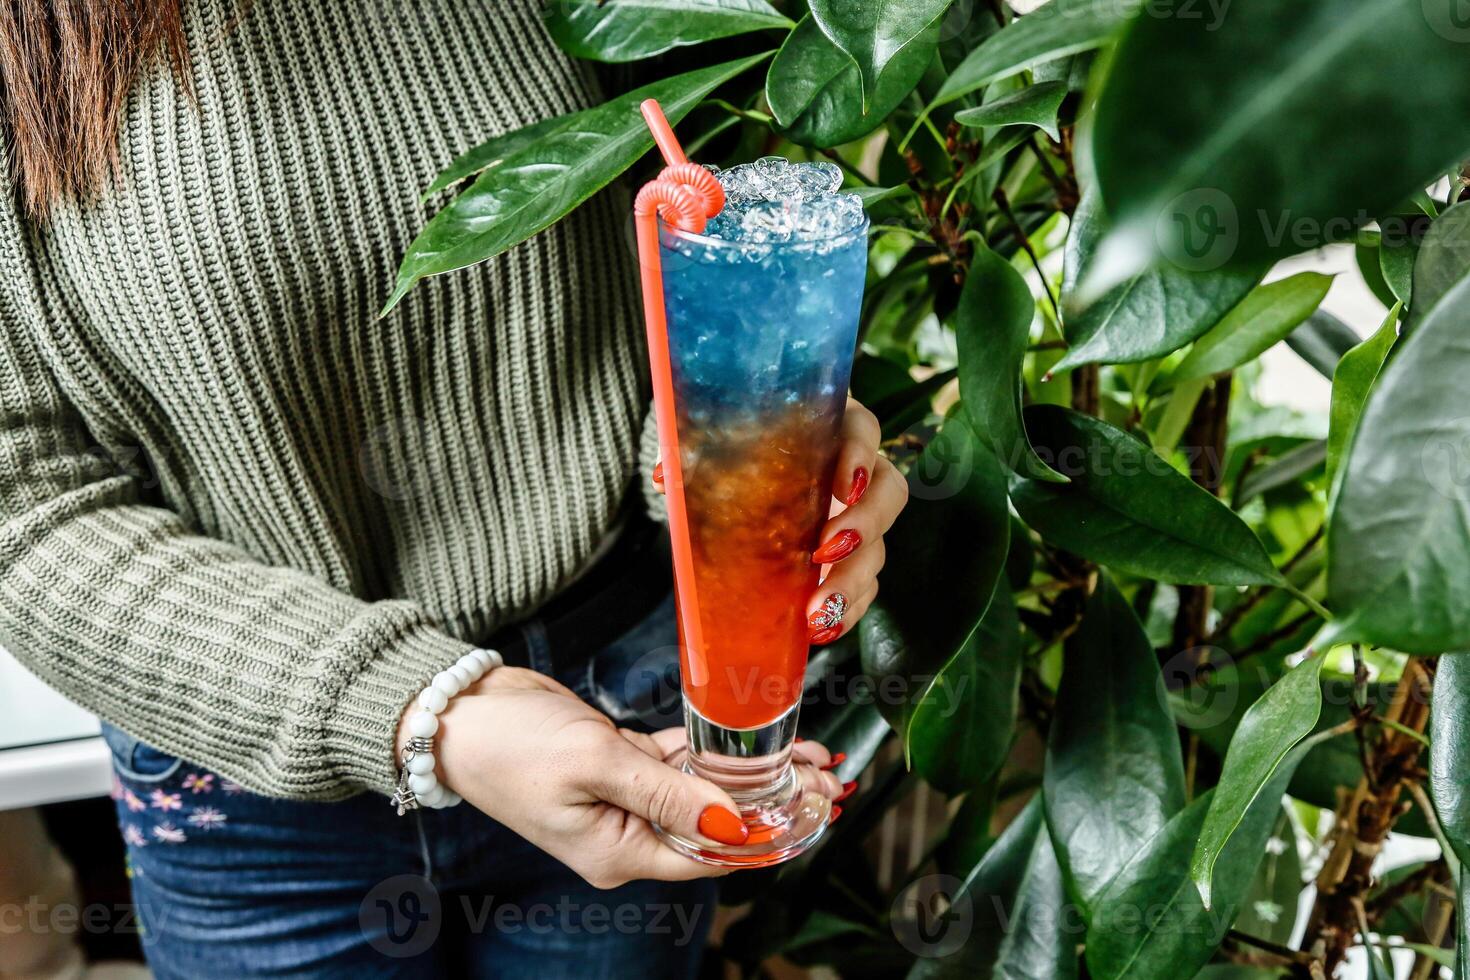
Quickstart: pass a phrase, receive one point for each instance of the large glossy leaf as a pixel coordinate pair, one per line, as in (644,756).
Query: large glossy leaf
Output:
(1151,922)
(1114,774)
(1263,319)
(1204,129)
(1020,925)
(874,32)
(957,520)
(529,190)
(1398,536)
(1444,260)
(1449,774)
(1351,383)
(992,332)
(1131,510)
(1322,340)
(1035,105)
(626,30)
(1151,314)
(1059,28)
(1272,727)
(816,95)
(495,151)
(962,729)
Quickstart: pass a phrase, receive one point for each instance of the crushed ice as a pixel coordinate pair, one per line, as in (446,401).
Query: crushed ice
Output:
(773,201)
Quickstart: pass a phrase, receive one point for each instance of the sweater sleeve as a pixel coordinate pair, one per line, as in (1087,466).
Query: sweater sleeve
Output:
(265,674)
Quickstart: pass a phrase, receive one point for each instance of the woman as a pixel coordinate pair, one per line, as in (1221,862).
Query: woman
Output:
(246,523)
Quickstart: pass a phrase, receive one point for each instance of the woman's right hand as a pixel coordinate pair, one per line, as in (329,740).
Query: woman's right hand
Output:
(535,757)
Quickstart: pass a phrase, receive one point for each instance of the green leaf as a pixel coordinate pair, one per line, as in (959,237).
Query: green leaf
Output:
(1151,314)
(1020,926)
(873,32)
(1131,510)
(962,729)
(496,151)
(956,519)
(992,331)
(1322,340)
(1398,534)
(1058,29)
(872,195)
(1351,383)
(627,30)
(1444,260)
(1114,774)
(1151,922)
(1449,766)
(815,91)
(1396,257)
(1263,319)
(1205,127)
(1290,467)
(1283,716)
(1035,105)
(533,188)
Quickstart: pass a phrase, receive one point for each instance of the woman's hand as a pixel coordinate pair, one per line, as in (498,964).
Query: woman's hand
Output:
(873,493)
(532,755)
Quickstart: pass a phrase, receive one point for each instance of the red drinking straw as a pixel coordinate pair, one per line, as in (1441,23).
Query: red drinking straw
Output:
(685,195)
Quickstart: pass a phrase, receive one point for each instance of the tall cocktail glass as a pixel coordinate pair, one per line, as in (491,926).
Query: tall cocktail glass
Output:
(762,316)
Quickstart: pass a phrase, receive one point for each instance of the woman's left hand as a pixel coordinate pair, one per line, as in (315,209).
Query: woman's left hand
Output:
(873,493)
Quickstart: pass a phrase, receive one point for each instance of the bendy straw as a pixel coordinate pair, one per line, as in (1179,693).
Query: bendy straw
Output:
(685,196)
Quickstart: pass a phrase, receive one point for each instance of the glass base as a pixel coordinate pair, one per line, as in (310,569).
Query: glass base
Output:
(754,766)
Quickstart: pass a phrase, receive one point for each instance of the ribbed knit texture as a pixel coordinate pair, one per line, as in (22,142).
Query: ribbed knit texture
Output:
(239,517)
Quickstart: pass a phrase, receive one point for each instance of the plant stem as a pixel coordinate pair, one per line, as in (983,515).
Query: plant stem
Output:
(1204,441)
(1365,818)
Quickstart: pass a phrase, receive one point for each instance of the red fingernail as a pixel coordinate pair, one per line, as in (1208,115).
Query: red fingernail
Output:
(842,544)
(859,485)
(658,473)
(833,608)
(847,790)
(800,739)
(720,824)
(827,635)
(836,812)
(837,760)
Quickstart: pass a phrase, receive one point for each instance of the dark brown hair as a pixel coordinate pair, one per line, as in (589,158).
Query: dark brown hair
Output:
(66,67)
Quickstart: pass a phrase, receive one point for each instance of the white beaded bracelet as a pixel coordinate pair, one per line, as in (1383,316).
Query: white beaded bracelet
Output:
(417,784)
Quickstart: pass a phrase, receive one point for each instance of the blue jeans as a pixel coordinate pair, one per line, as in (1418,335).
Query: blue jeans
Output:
(231,884)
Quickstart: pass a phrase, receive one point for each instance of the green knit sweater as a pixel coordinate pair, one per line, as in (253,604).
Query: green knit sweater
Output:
(240,517)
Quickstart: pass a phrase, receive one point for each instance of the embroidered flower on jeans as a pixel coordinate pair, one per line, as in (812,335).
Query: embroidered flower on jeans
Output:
(133,836)
(169,834)
(230,787)
(165,801)
(130,799)
(207,818)
(117,788)
(199,782)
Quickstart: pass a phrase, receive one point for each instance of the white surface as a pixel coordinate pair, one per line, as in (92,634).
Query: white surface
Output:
(54,773)
(32,713)
(49,748)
